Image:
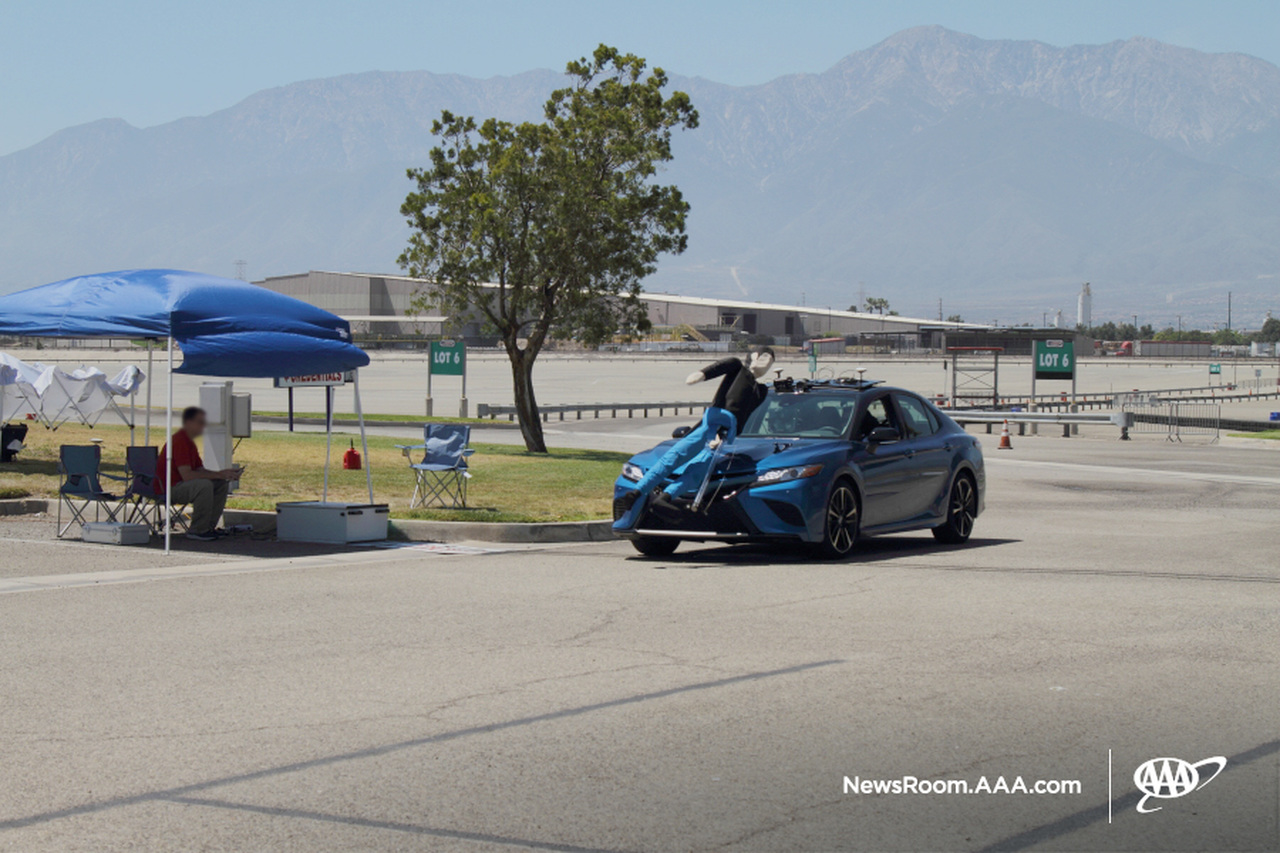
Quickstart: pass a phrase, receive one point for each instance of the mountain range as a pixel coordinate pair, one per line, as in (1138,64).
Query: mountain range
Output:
(993,175)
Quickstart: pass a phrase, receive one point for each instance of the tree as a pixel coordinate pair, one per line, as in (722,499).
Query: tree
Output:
(1270,331)
(876,305)
(955,318)
(545,229)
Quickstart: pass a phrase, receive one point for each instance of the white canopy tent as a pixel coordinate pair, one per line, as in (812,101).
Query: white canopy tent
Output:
(55,396)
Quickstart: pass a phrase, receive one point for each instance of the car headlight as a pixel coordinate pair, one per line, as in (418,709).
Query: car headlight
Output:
(631,471)
(782,475)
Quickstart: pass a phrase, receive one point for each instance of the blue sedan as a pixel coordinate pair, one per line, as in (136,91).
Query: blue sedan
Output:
(822,463)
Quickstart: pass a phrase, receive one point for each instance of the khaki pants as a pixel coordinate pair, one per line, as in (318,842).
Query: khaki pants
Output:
(207,499)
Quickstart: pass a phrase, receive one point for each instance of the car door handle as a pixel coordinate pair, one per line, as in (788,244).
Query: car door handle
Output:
(946,447)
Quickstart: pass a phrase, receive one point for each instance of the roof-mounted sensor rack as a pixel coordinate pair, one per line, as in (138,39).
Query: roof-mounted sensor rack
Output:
(801,386)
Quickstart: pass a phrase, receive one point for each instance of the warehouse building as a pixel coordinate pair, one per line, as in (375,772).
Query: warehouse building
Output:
(381,307)
(791,324)
(375,305)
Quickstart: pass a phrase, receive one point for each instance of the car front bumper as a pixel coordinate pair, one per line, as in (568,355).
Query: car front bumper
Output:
(789,511)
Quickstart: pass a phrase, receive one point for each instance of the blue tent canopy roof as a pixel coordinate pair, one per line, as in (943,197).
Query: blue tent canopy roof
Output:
(224,327)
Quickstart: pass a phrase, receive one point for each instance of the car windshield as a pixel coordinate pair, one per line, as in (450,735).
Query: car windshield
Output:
(802,416)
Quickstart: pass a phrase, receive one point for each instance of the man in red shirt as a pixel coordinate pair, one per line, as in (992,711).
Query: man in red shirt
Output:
(204,490)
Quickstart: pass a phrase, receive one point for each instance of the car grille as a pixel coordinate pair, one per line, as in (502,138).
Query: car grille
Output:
(720,516)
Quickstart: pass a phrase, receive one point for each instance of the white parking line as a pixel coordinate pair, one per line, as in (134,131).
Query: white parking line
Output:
(245,566)
(1205,477)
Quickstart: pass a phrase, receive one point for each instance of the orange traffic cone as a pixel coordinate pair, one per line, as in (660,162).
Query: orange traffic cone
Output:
(1005,443)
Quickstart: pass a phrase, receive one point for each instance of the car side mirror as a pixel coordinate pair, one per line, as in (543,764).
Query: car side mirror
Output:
(681,432)
(883,435)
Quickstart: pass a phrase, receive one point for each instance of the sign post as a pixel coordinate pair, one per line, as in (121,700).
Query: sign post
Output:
(1054,359)
(315,380)
(448,358)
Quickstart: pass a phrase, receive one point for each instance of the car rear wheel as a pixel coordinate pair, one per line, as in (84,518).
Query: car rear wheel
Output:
(655,546)
(842,523)
(962,509)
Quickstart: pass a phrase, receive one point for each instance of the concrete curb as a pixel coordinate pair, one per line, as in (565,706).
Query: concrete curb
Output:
(422,530)
(417,530)
(412,530)
(25,506)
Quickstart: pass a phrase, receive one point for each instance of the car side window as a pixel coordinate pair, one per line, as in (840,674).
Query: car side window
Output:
(933,418)
(916,415)
(877,414)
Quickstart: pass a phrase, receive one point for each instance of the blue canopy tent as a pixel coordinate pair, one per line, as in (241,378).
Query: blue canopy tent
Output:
(223,327)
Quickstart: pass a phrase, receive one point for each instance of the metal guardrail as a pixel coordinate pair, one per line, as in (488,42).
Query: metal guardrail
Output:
(611,410)
(1068,420)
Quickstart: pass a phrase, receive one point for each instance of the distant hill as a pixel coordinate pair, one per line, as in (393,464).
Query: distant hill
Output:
(996,175)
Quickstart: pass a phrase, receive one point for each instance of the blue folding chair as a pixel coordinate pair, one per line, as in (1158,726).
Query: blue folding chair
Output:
(144,498)
(80,466)
(442,474)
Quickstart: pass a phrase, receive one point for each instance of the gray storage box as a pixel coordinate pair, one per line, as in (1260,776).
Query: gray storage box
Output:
(316,521)
(115,533)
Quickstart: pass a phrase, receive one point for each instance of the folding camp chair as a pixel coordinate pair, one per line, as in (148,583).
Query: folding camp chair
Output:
(442,474)
(79,466)
(143,499)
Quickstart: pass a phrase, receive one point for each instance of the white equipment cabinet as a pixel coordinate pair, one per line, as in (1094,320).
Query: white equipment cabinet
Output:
(241,420)
(230,416)
(331,522)
(215,399)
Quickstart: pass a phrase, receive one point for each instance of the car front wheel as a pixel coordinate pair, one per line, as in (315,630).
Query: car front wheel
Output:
(962,509)
(655,546)
(842,522)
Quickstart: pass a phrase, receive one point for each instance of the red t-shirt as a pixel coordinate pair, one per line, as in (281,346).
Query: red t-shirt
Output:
(184,453)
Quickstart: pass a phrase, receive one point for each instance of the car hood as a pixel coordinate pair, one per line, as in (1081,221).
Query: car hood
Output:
(748,455)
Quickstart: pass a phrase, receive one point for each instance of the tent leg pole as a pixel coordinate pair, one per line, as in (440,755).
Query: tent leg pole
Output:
(328,438)
(364,440)
(168,455)
(146,436)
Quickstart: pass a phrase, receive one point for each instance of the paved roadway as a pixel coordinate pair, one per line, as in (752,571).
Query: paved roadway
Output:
(1117,597)
(395,382)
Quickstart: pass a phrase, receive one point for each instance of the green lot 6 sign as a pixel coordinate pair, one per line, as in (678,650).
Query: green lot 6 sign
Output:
(1055,360)
(448,358)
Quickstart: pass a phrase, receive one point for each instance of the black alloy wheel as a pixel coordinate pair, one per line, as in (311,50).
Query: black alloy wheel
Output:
(962,509)
(842,521)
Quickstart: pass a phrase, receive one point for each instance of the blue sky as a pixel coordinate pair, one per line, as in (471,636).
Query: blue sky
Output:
(151,61)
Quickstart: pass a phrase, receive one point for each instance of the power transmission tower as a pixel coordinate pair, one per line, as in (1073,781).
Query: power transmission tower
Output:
(240,265)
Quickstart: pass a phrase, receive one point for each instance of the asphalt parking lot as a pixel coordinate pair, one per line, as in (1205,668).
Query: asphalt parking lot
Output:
(1116,598)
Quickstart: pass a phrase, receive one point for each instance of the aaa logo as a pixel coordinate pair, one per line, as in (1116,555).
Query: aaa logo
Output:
(1169,778)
